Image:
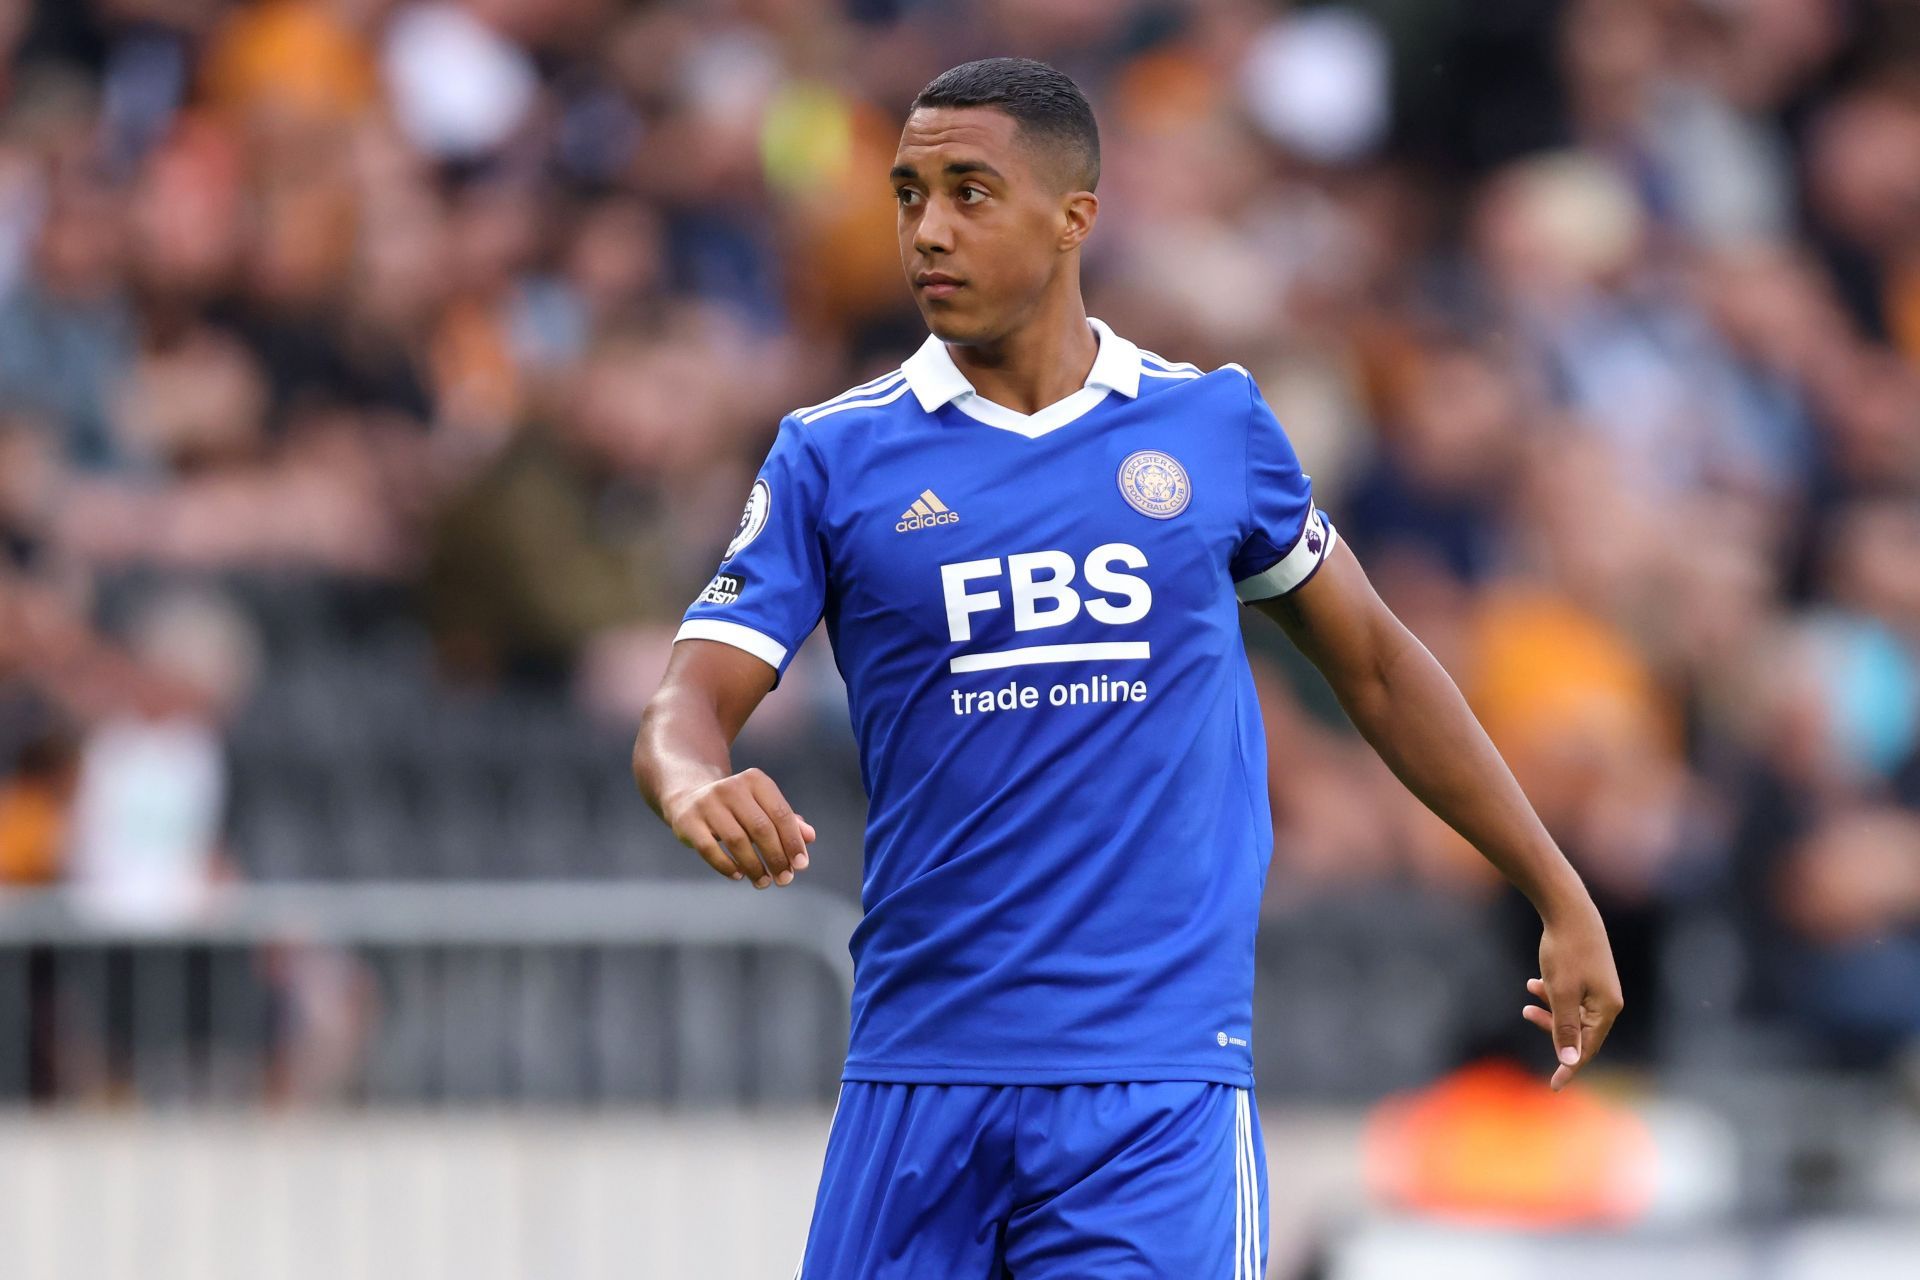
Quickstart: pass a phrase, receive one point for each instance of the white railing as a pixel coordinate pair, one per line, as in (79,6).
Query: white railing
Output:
(408,993)
(512,913)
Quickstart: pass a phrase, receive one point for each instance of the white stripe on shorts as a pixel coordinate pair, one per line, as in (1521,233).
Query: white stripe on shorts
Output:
(1240,1269)
(1252,1259)
(808,1239)
(1239,1196)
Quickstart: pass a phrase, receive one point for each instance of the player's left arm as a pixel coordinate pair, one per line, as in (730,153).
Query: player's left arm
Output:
(1410,711)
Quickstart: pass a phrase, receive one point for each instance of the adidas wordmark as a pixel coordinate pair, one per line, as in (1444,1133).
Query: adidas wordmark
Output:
(926,512)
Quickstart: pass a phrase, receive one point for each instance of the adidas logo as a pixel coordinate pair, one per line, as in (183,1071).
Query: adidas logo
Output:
(926,512)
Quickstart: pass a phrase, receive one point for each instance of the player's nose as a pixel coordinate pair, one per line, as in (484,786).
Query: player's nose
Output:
(934,234)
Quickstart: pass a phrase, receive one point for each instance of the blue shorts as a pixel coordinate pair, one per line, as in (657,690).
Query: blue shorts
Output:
(1164,1180)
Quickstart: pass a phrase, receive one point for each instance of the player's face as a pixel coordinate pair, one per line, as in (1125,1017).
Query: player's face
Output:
(984,227)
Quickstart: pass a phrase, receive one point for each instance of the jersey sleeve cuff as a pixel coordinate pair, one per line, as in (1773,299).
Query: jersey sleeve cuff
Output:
(1289,571)
(757,643)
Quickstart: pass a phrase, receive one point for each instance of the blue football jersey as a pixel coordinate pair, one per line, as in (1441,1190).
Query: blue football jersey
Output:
(1037,619)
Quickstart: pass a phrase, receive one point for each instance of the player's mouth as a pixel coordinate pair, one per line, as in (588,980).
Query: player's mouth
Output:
(938,284)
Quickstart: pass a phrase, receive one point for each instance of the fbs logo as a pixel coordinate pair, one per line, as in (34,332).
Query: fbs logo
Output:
(926,512)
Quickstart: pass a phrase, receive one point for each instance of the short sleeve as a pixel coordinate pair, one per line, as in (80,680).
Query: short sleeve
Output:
(771,588)
(1288,538)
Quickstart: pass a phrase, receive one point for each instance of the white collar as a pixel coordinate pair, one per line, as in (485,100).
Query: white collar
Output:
(937,380)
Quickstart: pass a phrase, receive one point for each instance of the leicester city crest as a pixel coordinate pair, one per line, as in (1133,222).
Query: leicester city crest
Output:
(1154,484)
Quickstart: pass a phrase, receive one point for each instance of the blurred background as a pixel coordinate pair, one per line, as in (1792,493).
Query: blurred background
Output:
(379,380)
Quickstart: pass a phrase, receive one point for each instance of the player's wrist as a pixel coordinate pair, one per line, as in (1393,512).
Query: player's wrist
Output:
(1564,903)
(1575,912)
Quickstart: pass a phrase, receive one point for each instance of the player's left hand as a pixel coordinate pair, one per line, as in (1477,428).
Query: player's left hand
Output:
(1581,992)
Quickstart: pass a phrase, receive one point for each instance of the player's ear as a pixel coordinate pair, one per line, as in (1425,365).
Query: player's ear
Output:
(1078,211)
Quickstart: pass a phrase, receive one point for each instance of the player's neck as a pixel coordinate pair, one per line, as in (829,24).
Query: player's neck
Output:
(1043,362)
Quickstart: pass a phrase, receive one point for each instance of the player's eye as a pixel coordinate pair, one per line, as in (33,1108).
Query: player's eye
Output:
(972,191)
(906,195)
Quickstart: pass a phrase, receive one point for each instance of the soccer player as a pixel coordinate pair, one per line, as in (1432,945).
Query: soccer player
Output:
(1030,544)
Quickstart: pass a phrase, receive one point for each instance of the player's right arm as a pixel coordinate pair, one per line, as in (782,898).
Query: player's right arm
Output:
(737,640)
(740,823)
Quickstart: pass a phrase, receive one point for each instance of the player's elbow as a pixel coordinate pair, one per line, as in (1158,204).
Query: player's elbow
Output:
(1374,666)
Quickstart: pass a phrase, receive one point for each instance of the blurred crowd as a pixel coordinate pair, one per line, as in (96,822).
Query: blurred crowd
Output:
(1597,324)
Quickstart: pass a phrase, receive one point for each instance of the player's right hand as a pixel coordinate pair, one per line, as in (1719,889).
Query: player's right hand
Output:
(744,828)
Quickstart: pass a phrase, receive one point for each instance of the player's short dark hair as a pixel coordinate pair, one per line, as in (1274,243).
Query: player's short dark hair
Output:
(1047,105)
